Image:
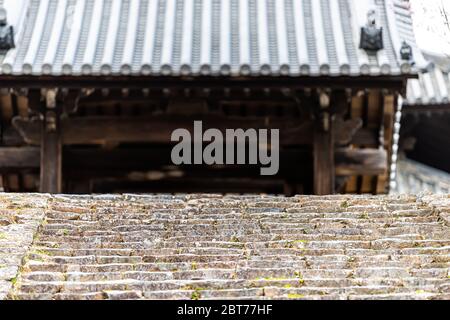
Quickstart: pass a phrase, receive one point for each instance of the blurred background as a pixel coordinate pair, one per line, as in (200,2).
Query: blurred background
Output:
(92,89)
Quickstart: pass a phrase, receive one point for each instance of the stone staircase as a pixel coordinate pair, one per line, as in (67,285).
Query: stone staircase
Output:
(233,247)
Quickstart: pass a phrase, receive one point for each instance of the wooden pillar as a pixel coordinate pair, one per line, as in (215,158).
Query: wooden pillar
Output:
(51,148)
(323,149)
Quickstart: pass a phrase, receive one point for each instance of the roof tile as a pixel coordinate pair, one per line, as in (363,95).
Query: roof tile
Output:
(206,37)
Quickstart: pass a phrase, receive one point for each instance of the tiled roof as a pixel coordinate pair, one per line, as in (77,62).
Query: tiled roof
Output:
(207,37)
(433,85)
(215,247)
(432,88)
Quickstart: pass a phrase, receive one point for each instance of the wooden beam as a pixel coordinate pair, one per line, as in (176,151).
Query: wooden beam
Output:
(345,131)
(155,98)
(13,158)
(140,82)
(348,161)
(51,154)
(386,138)
(7,110)
(323,156)
(368,162)
(158,129)
(101,162)
(366,138)
(323,143)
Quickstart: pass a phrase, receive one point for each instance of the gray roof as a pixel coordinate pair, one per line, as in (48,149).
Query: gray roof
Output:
(431,88)
(433,85)
(205,37)
(414,177)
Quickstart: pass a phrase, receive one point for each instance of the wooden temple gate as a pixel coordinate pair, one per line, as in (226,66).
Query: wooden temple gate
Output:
(88,105)
(90,136)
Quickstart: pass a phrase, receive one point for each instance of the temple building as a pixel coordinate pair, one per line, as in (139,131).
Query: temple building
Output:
(91,91)
(424,144)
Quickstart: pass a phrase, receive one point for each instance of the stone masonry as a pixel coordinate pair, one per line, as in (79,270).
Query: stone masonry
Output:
(215,247)
(20,217)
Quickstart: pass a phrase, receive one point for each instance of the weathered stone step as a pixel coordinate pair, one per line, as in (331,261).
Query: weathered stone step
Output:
(232,212)
(323,256)
(69,252)
(204,274)
(272,268)
(152,243)
(418,295)
(357,290)
(239,273)
(37,266)
(340,230)
(202,288)
(58,296)
(196,221)
(235,236)
(92,259)
(317,241)
(226,203)
(296,247)
(187,295)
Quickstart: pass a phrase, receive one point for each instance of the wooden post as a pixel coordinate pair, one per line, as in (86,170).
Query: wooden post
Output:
(323,149)
(51,148)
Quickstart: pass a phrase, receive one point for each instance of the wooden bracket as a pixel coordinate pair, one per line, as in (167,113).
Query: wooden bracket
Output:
(70,101)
